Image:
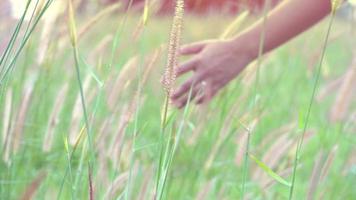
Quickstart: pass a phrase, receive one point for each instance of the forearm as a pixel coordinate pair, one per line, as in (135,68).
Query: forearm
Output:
(283,23)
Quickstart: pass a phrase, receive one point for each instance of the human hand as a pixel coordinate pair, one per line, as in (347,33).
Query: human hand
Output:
(215,63)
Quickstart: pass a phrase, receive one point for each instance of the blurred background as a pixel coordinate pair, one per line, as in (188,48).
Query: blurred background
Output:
(120,49)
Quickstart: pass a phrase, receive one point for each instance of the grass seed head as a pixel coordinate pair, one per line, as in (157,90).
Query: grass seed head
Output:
(169,76)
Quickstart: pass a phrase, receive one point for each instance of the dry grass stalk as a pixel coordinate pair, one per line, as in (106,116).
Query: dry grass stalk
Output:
(128,111)
(149,7)
(91,23)
(307,136)
(103,133)
(118,143)
(204,191)
(270,137)
(225,130)
(7,133)
(100,48)
(249,74)
(122,160)
(53,119)
(152,61)
(329,88)
(277,151)
(7,116)
(49,22)
(329,160)
(143,194)
(122,81)
(273,156)
(138,31)
(202,117)
(350,124)
(240,152)
(344,98)
(242,141)
(124,78)
(315,176)
(351,162)
(21,115)
(118,140)
(174,44)
(91,188)
(77,113)
(102,177)
(116,185)
(33,187)
(102,140)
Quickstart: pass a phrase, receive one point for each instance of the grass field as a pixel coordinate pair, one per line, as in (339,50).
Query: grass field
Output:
(195,153)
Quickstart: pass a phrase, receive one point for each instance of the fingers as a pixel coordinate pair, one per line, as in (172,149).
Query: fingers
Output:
(207,95)
(186,86)
(193,48)
(188,97)
(186,67)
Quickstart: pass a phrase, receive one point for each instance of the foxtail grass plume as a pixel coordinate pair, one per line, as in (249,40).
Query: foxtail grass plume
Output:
(328,163)
(314,180)
(144,191)
(54,118)
(174,43)
(344,98)
(49,24)
(117,184)
(91,188)
(34,186)
(77,113)
(7,137)
(22,113)
(6,120)
(96,18)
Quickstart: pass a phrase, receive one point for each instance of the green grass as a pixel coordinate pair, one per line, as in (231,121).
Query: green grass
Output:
(284,88)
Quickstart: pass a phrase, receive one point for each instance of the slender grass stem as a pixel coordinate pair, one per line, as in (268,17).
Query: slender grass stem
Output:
(84,107)
(70,175)
(245,167)
(163,127)
(171,148)
(300,143)
(137,112)
(14,36)
(255,103)
(118,33)
(24,42)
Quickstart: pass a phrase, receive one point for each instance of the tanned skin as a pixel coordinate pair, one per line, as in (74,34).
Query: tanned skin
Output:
(216,62)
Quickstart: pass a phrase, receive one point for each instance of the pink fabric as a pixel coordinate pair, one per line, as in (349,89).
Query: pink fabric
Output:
(203,6)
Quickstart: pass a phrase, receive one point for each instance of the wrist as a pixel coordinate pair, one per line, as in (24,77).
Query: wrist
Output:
(248,43)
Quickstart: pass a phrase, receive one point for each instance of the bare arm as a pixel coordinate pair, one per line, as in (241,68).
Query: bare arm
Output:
(216,63)
(285,22)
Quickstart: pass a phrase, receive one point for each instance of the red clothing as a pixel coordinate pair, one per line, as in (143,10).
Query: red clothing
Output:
(203,6)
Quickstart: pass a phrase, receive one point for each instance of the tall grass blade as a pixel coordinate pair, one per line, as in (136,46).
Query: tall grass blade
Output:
(305,126)
(269,171)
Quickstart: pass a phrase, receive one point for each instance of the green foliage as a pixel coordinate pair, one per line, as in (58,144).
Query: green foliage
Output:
(130,150)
